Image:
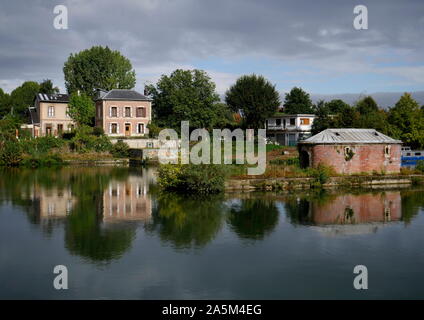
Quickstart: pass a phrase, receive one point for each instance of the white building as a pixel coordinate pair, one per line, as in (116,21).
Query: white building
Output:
(288,129)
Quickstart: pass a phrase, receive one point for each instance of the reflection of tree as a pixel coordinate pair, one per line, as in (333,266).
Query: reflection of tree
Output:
(253,218)
(412,201)
(185,221)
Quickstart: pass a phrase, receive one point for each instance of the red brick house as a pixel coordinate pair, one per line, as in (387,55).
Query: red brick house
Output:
(351,151)
(123,113)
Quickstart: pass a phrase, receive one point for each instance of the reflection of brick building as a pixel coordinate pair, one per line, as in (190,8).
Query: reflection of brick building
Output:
(54,203)
(358,209)
(127,200)
(351,151)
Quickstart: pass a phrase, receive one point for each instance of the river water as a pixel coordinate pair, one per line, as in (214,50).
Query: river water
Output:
(120,238)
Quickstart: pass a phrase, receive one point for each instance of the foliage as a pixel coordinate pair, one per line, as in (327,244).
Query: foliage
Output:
(11,154)
(192,179)
(85,140)
(23,97)
(255,97)
(154,130)
(98,67)
(43,160)
(4,103)
(120,150)
(47,87)
(8,126)
(185,95)
(297,101)
(420,165)
(41,145)
(321,174)
(81,109)
(408,120)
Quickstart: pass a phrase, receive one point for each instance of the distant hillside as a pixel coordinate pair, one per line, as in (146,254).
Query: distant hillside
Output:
(384,99)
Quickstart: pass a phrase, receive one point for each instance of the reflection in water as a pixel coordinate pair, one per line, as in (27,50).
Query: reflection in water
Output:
(253,218)
(187,222)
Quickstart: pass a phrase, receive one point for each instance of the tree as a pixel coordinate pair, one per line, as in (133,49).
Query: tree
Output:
(81,109)
(297,101)
(4,103)
(255,97)
(185,95)
(337,106)
(98,67)
(324,117)
(366,105)
(46,86)
(408,119)
(23,97)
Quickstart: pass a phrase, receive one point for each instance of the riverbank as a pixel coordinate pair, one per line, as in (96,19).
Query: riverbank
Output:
(304,183)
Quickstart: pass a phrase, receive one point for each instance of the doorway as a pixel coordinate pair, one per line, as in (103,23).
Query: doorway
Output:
(127,129)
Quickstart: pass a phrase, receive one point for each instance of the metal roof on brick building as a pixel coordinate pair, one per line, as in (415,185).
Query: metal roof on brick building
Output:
(346,136)
(56,97)
(123,94)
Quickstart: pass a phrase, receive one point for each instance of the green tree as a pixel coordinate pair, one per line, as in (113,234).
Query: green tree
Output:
(408,120)
(255,97)
(298,101)
(46,86)
(337,106)
(324,118)
(23,97)
(4,103)
(98,67)
(185,95)
(81,109)
(366,105)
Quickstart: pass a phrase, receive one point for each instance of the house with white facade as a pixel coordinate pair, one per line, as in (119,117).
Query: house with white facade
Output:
(288,129)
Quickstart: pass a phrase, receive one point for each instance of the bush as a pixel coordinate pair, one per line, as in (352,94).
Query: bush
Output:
(11,153)
(193,179)
(420,165)
(120,150)
(321,173)
(48,160)
(41,144)
(86,140)
(98,131)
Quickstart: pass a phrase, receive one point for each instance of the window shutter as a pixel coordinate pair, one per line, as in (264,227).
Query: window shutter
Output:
(110,128)
(110,112)
(117,128)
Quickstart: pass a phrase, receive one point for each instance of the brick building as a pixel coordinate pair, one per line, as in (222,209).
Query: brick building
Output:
(352,151)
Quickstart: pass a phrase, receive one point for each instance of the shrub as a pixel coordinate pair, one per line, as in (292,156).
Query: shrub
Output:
(48,160)
(120,150)
(321,173)
(420,165)
(98,131)
(86,139)
(193,179)
(11,153)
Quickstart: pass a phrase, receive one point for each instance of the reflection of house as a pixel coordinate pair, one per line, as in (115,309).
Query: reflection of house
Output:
(356,214)
(54,203)
(352,151)
(356,209)
(49,116)
(289,129)
(127,200)
(123,112)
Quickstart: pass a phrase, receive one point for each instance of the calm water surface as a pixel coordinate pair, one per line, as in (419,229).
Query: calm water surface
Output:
(120,238)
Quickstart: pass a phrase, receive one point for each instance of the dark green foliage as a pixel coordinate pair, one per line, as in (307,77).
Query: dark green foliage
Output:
(10,154)
(120,150)
(255,97)
(23,97)
(98,131)
(192,179)
(298,101)
(98,67)
(44,160)
(186,95)
(85,140)
(420,166)
(47,87)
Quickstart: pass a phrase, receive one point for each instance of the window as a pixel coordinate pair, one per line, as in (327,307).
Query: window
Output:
(292,121)
(387,150)
(60,128)
(128,112)
(141,112)
(278,122)
(304,121)
(114,128)
(50,112)
(140,128)
(417,153)
(114,112)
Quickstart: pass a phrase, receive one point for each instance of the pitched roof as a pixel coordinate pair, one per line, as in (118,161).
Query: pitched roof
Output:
(34,116)
(56,97)
(343,136)
(124,94)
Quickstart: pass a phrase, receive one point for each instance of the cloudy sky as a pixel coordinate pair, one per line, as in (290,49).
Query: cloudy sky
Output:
(311,44)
